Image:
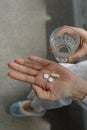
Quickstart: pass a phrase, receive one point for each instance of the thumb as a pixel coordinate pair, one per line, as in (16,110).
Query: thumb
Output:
(77,56)
(42,94)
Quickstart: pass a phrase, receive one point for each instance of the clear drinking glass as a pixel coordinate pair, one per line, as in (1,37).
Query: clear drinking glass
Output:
(64,41)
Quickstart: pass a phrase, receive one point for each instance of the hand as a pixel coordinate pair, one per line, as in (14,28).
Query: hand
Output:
(32,71)
(82,50)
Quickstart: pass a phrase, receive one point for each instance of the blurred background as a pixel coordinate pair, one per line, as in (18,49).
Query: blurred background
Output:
(25,27)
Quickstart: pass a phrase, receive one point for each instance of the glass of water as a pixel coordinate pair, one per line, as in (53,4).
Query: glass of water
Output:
(64,41)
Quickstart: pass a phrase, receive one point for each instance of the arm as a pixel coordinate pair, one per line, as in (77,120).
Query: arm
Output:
(32,71)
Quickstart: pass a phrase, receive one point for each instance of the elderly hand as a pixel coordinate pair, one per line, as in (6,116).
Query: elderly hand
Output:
(82,50)
(32,71)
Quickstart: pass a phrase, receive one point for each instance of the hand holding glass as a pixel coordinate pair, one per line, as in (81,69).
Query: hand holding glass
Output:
(64,41)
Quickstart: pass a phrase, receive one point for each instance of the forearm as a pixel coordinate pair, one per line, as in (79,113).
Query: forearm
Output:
(80,89)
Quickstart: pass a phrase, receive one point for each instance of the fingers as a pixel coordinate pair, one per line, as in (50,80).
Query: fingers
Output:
(42,94)
(22,69)
(80,31)
(77,56)
(21,77)
(39,60)
(28,64)
(51,51)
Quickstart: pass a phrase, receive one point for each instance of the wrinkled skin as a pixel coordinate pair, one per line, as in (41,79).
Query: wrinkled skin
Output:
(82,50)
(32,71)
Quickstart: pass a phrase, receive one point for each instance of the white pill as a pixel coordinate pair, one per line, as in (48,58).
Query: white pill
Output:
(50,80)
(46,76)
(55,75)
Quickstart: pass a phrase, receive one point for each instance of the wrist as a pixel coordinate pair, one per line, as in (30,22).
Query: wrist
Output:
(81,89)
